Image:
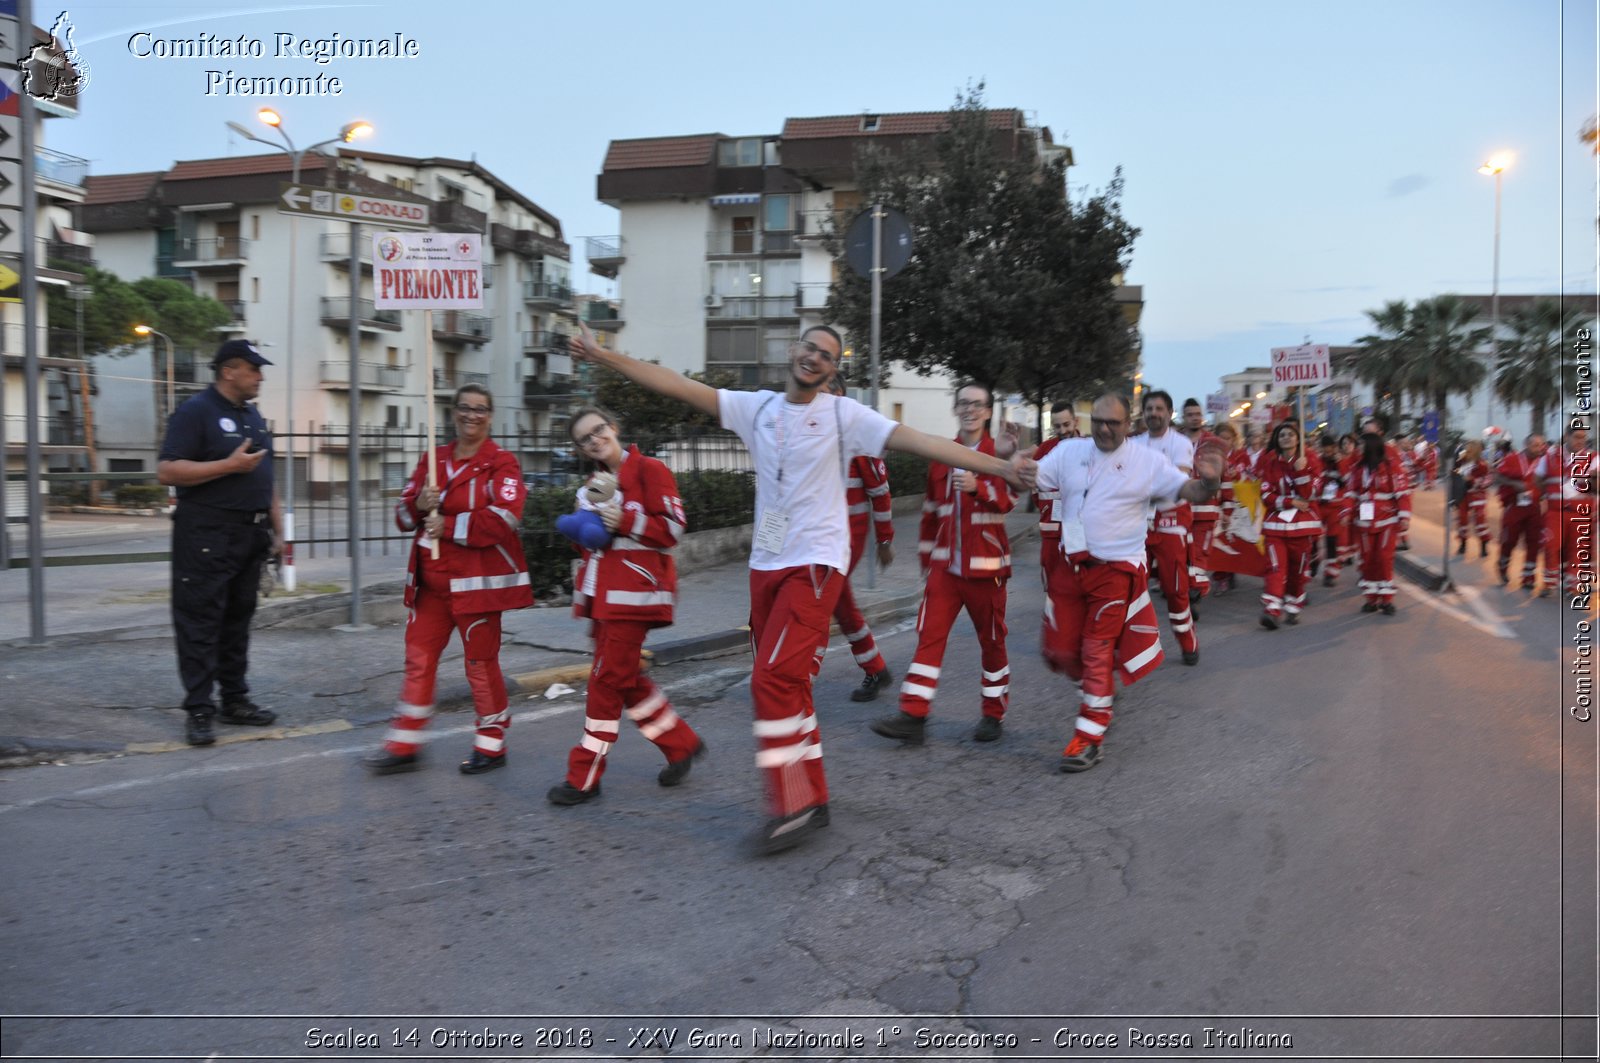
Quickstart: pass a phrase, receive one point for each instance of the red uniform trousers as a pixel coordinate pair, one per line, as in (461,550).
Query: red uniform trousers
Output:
(1566,525)
(1377,562)
(616,685)
(946,595)
(1524,524)
(1338,545)
(1550,540)
(1086,610)
(789,612)
(1200,533)
(1169,549)
(1472,517)
(427,634)
(852,625)
(1288,570)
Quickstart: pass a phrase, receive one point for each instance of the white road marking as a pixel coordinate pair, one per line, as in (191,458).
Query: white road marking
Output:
(1475,598)
(1486,622)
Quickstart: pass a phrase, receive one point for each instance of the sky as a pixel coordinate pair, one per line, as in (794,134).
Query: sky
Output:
(1290,165)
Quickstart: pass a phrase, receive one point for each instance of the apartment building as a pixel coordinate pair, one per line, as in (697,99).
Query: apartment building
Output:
(720,257)
(215,224)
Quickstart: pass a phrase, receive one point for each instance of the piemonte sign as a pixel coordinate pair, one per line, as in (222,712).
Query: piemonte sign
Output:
(312,201)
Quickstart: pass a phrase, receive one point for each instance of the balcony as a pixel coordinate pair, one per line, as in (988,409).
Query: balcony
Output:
(812,297)
(75,257)
(59,168)
(452,215)
(459,325)
(751,242)
(605,255)
(335,248)
(548,392)
(546,293)
(451,379)
(603,317)
(375,376)
(336,313)
(211,252)
(543,340)
(750,307)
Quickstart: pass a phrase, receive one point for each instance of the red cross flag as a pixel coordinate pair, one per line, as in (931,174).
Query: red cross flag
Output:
(427,271)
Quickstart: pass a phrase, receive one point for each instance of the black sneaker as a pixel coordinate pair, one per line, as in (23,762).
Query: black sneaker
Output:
(1504,573)
(1328,579)
(1387,608)
(1291,618)
(246,712)
(988,730)
(197,732)
(786,832)
(478,762)
(568,794)
(870,685)
(1080,755)
(383,762)
(678,770)
(1369,607)
(1483,549)
(1191,657)
(1269,621)
(902,725)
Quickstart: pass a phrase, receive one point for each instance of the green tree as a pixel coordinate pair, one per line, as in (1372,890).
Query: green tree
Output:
(647,421)
(108,315)
(190,320)
(1008,284)
(1379,356)
(1529,366)
(1444,356)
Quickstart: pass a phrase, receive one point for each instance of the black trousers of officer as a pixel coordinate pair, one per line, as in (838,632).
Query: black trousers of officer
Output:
(216,576)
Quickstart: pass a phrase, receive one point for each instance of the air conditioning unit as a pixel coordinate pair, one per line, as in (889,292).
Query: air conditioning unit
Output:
(713,301)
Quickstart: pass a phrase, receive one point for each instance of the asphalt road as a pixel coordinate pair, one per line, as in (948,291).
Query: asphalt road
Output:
(1369,837)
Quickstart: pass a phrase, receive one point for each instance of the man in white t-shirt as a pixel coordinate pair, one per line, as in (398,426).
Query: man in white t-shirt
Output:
(802,441)
(1168,542)
(1099,621)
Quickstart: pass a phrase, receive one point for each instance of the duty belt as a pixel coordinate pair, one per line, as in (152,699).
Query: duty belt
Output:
(229,516)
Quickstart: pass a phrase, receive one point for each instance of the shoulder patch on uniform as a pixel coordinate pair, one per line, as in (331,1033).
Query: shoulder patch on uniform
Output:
(227,424)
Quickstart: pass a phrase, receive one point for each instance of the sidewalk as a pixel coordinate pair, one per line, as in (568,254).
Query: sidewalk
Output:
(106,680)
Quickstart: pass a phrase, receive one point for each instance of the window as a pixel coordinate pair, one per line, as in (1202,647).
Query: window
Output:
(869,123)
(452,193)
(125,465)
(900,411)
(732,345)
(393,355)
(255,289)
(255,226)
(391,413)
(779,215)
(743,152)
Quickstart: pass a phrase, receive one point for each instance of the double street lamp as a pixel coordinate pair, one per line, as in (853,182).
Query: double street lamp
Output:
(350,132)
(1494,167)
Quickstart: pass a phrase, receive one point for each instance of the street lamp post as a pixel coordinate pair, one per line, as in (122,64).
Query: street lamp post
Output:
(1494,167)
(350,132)
(146,330)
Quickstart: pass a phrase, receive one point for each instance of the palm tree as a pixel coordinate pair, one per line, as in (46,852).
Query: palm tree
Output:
(1529,367)
(1444,358)
(1381,354)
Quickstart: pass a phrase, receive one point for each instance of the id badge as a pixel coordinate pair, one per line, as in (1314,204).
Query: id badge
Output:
(1074,540)
(1524,499)
(1330,491)
(1286,516)
(774,529)
(1369,510)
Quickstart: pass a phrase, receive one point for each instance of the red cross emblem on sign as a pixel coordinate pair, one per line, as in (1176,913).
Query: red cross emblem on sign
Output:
(463,247)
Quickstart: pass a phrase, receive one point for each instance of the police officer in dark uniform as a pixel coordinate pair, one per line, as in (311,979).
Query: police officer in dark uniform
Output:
(218,454)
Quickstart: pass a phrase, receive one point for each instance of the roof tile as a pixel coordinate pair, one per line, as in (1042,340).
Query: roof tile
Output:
(118,187)
(241,165)
(911,123)
(653,152)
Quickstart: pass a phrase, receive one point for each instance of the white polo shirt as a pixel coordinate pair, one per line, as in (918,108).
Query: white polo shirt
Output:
(801,455)
(1110,493)
(1175,446)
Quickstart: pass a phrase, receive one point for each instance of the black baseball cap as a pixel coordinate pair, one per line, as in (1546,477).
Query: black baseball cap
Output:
(238,349)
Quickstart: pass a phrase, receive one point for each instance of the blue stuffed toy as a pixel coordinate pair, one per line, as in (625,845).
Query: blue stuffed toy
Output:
(585,527)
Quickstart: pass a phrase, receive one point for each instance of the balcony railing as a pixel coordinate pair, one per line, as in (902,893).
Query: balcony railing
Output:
(456,324)
(336,311)
(548,392)
(813,295)
(69,254)
(751,242)
(546,292)
(746,307)
(60,167)
(373,374)
(450,379)
(213,250)
(544,340)
(335,247)
(605,254)
(603,315)
(235,307)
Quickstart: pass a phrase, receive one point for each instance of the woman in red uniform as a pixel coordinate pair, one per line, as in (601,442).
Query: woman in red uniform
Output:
(1472,508)
(1291,527)
(626,589)
(475,519)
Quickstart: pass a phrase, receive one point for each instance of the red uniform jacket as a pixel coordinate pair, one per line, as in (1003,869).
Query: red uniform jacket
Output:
(480,499)
(1525,492)
(1567,475)
(1476,479)
(1386,487)
(1281,483)
(966,534)
(866,493)
(635,577)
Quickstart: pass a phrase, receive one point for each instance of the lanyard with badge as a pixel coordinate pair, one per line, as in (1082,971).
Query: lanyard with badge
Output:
(773,531)
(1074,537)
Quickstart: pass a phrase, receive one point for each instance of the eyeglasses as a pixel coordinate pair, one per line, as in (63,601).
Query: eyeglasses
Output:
(971,404)
(1106,422)
(807,347)
(473,411)
(592,437)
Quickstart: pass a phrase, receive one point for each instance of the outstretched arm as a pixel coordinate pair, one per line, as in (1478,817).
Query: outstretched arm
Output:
(1020,472)
(656,378)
